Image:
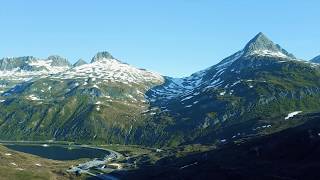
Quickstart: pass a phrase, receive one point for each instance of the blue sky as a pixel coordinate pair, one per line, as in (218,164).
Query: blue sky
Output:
(172,37)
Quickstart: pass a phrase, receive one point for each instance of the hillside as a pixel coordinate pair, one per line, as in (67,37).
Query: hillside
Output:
(18,166)
(108,101)
(289,154)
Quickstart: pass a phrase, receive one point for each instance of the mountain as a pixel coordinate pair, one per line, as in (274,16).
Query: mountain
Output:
(101,56)
(108,101)
(57,60)
(260,45)
(102,100)
(290,154)
(79,63)
(16,70)
(261,81)
(316,59)
(30,63)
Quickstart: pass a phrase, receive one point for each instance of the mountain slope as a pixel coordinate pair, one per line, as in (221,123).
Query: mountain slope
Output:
(260,81)
(289,154)
(108,101)
(102,100)
(316,59)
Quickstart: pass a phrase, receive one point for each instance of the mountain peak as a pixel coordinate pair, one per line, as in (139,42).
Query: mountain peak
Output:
(102,55)
(262,45)
(261,37)
(58,60)
(261,42)
(79,63)
(316,59)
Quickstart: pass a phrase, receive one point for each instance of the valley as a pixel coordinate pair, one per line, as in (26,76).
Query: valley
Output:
(246,157)
(17,165)
(24,158)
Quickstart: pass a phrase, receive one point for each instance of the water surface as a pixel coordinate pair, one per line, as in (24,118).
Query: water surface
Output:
(59,152)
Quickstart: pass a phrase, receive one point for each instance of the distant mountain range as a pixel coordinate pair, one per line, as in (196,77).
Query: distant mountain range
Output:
(108,101)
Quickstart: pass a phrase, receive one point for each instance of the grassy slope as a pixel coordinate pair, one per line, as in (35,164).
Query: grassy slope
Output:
(50,169)
(289,154)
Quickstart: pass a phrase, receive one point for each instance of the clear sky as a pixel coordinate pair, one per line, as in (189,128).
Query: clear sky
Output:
(172,37)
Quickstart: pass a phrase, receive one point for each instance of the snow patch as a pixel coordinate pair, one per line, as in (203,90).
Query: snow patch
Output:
(14,164)
(33,97)
(269,53)
(186,98)
(95,86)
(111,70)
(292,114)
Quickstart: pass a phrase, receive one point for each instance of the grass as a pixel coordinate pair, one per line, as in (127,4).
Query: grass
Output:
(22,166)
(145,156)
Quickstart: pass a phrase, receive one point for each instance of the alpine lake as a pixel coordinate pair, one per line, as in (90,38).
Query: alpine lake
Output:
(59,152)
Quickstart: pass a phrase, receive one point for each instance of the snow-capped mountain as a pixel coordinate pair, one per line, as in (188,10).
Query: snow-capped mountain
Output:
(102,91)
(56,60)
(240,86)
(24,68)
(106,68)
(17,70)
(103,67)
(109,101)
(215,76)
(105,77)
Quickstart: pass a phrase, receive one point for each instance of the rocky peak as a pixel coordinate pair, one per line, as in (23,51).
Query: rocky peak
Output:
(261,45)
(10,63)
(79,63)
(58,61)
(101,56)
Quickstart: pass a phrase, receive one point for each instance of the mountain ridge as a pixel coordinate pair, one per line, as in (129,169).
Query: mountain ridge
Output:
(316,59)
(108,101)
